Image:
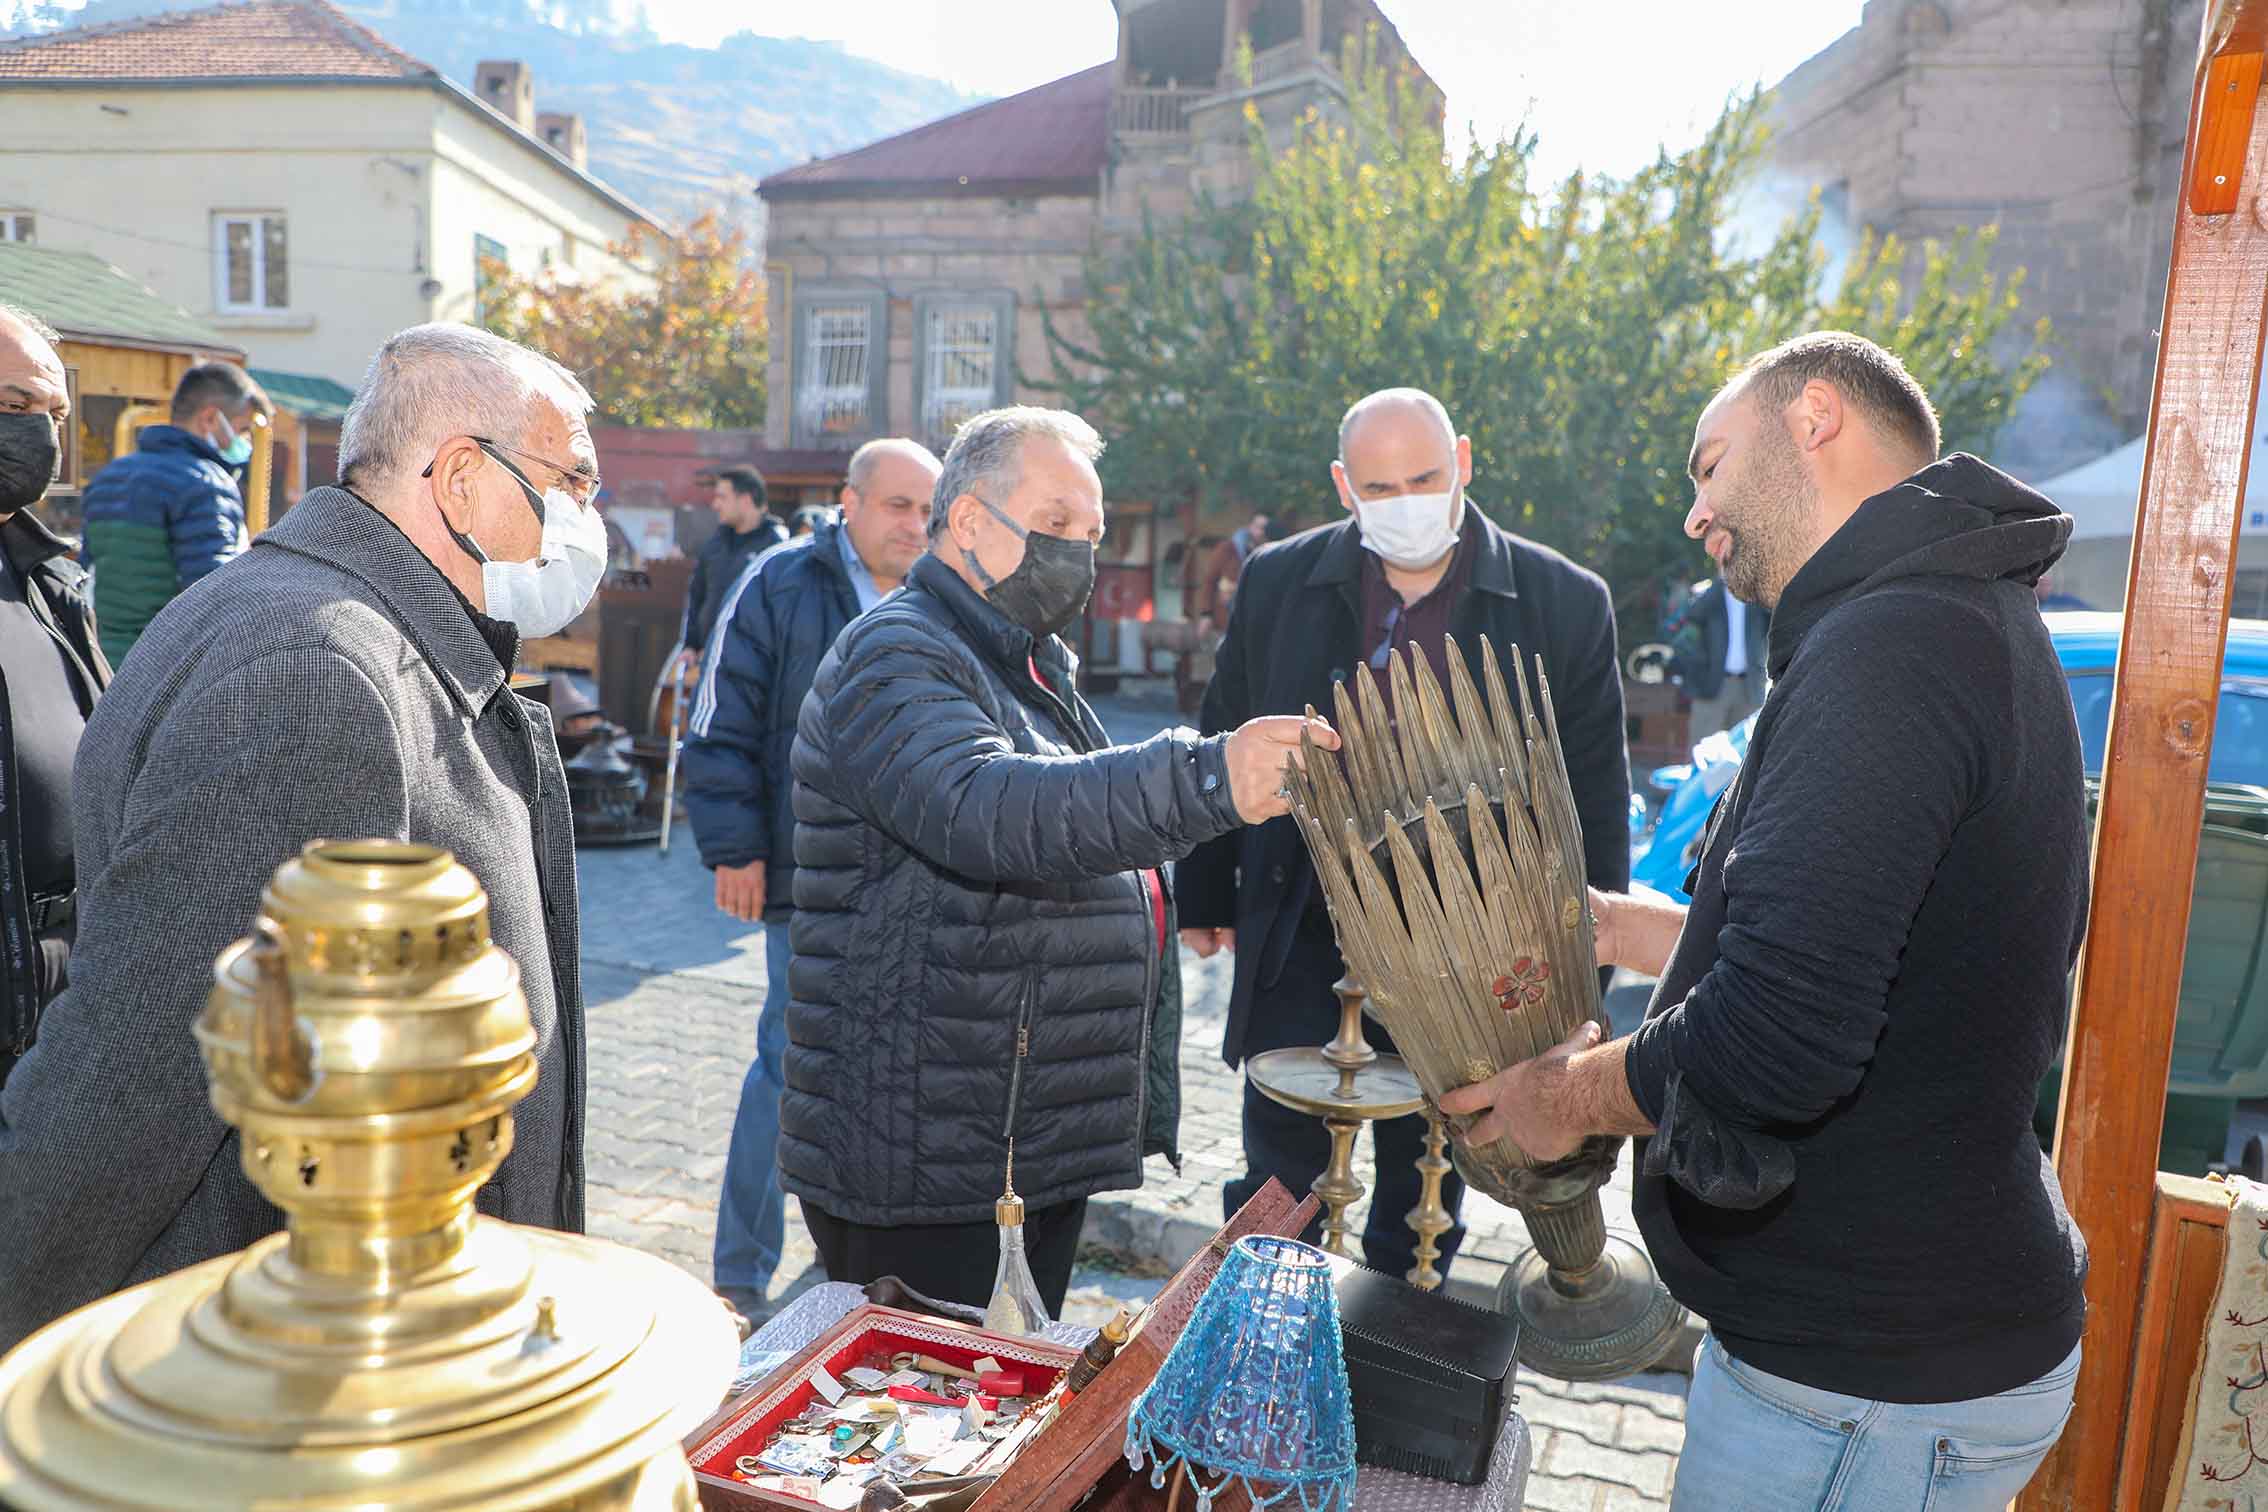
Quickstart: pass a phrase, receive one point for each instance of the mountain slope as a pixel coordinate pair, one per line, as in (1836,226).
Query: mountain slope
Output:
(679,129)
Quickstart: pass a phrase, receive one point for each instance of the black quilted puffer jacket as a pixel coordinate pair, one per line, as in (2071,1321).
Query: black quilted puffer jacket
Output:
(976,949)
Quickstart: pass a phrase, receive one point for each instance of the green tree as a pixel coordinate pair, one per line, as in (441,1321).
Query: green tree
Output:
(689,351)
(1575,332)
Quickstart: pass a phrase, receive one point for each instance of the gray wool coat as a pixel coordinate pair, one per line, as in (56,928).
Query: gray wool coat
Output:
(326,683)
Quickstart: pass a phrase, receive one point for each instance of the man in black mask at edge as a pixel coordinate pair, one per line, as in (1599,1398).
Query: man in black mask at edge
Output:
(1838,1068)
(983,938)
(51,670)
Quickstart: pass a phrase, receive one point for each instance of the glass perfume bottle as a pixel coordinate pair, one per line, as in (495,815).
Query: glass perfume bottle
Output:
(1015,1307)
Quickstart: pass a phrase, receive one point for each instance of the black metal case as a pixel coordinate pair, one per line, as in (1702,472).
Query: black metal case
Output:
(1431,1376)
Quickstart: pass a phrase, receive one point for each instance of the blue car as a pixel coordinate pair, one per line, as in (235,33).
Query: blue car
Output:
(2221,1033)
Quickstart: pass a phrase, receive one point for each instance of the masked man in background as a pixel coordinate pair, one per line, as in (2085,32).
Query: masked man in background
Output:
(347,679)
(1414,561)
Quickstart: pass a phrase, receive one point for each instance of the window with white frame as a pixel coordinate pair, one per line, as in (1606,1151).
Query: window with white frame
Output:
(251,263)
(18,226)
(838,354)
(961,364)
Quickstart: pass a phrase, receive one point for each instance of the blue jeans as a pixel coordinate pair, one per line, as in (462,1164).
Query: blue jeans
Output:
(1764,1444)
(752,1214)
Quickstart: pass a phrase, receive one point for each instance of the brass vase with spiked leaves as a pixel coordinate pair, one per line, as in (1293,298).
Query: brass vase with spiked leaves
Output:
(1449,849)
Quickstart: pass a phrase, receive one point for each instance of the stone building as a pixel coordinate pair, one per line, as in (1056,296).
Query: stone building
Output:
(2059,120)
(912,280)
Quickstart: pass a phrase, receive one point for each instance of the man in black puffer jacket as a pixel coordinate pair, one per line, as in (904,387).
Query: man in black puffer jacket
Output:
(981,928)
(1840,1063)
(778,622)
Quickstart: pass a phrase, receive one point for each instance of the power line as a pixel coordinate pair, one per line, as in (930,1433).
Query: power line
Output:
(291,259)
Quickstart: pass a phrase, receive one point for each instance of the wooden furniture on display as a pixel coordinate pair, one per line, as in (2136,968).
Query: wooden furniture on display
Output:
(2149,1235)
(639,616)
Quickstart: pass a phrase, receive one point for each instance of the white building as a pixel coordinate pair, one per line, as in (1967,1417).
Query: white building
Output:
(285,175)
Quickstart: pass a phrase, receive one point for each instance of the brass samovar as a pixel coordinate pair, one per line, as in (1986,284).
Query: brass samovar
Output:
(391,1348)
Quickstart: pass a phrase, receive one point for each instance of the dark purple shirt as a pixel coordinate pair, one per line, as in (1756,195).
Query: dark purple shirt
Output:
(1386,618)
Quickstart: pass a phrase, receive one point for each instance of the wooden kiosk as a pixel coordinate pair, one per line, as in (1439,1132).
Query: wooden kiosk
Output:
(2156,1241)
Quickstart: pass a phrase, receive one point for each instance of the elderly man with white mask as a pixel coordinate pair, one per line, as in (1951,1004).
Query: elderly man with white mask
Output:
(346,677)
(1414,560)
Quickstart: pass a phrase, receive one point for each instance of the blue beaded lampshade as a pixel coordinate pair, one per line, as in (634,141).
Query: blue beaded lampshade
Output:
(1255,1389)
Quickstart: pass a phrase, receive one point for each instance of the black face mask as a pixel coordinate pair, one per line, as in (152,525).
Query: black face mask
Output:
(29,452)
(1049,587)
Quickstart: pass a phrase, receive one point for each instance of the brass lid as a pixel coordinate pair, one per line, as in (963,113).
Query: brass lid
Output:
(369,1043)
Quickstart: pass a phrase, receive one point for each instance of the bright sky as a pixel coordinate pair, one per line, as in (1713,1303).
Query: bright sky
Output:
(1603,84)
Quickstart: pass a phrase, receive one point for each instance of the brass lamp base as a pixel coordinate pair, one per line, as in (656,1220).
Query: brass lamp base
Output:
(1612,1320)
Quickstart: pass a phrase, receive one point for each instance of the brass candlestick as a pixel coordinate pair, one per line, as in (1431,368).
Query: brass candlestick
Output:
(1346,1083)
(390,1348)
(1430,1218)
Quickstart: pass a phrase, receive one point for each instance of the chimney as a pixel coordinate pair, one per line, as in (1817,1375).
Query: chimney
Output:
(563,134)
(506,87)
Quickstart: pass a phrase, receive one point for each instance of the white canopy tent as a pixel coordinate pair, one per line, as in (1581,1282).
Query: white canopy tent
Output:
(2099,496)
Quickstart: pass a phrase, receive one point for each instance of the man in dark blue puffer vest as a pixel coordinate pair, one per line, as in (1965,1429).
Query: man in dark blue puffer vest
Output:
(778,620)
(982,932)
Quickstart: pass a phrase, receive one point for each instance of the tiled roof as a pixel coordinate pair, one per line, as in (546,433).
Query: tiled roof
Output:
(1057,135)
(305,394)
(297,39)
(84,297)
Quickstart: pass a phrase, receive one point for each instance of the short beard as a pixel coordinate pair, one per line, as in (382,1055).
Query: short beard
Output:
(1772,502)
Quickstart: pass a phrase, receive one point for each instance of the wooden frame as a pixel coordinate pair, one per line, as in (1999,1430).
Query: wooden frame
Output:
(2188,1240)
(2146,838)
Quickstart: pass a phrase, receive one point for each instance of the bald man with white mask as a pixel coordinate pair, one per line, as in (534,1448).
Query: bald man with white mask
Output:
(1412,560)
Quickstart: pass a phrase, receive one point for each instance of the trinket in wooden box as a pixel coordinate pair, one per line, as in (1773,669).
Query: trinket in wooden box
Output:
(866,1337)
(1078,1459)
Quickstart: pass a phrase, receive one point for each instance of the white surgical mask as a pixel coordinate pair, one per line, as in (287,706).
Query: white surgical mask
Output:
(1410,532)
(543,595)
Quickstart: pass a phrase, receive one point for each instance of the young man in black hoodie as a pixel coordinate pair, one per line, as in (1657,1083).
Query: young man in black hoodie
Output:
(1839,1065)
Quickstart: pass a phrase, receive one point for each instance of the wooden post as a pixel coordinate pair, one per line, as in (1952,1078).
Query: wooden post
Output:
(2169,660)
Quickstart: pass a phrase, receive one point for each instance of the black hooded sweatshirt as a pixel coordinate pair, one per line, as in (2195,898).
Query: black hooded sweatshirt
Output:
(1842,1057)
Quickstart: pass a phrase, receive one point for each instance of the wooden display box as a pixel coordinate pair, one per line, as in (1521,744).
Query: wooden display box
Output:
(746,1424)
(1081,1455)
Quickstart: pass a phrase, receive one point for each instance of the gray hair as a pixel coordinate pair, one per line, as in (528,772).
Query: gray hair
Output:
(987,454)
(868,457)
(1385,397)
(435,381)
(30,322)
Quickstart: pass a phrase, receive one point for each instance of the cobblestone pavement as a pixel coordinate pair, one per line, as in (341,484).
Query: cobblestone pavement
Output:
(672,988)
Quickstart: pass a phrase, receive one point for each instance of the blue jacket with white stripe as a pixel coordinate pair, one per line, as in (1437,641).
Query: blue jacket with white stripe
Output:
(776,624)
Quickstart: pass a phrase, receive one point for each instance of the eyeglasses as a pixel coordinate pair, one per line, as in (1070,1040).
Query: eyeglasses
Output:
(582,487)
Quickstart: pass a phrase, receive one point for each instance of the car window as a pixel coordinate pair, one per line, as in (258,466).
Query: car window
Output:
(2240,733)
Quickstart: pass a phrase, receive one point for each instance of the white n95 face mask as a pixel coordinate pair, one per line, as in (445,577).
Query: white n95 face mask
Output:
(1412,531)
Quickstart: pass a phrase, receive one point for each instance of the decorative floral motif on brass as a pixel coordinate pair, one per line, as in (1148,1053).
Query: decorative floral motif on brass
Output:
(1477,1070)
(1524,986)
(1570,913)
